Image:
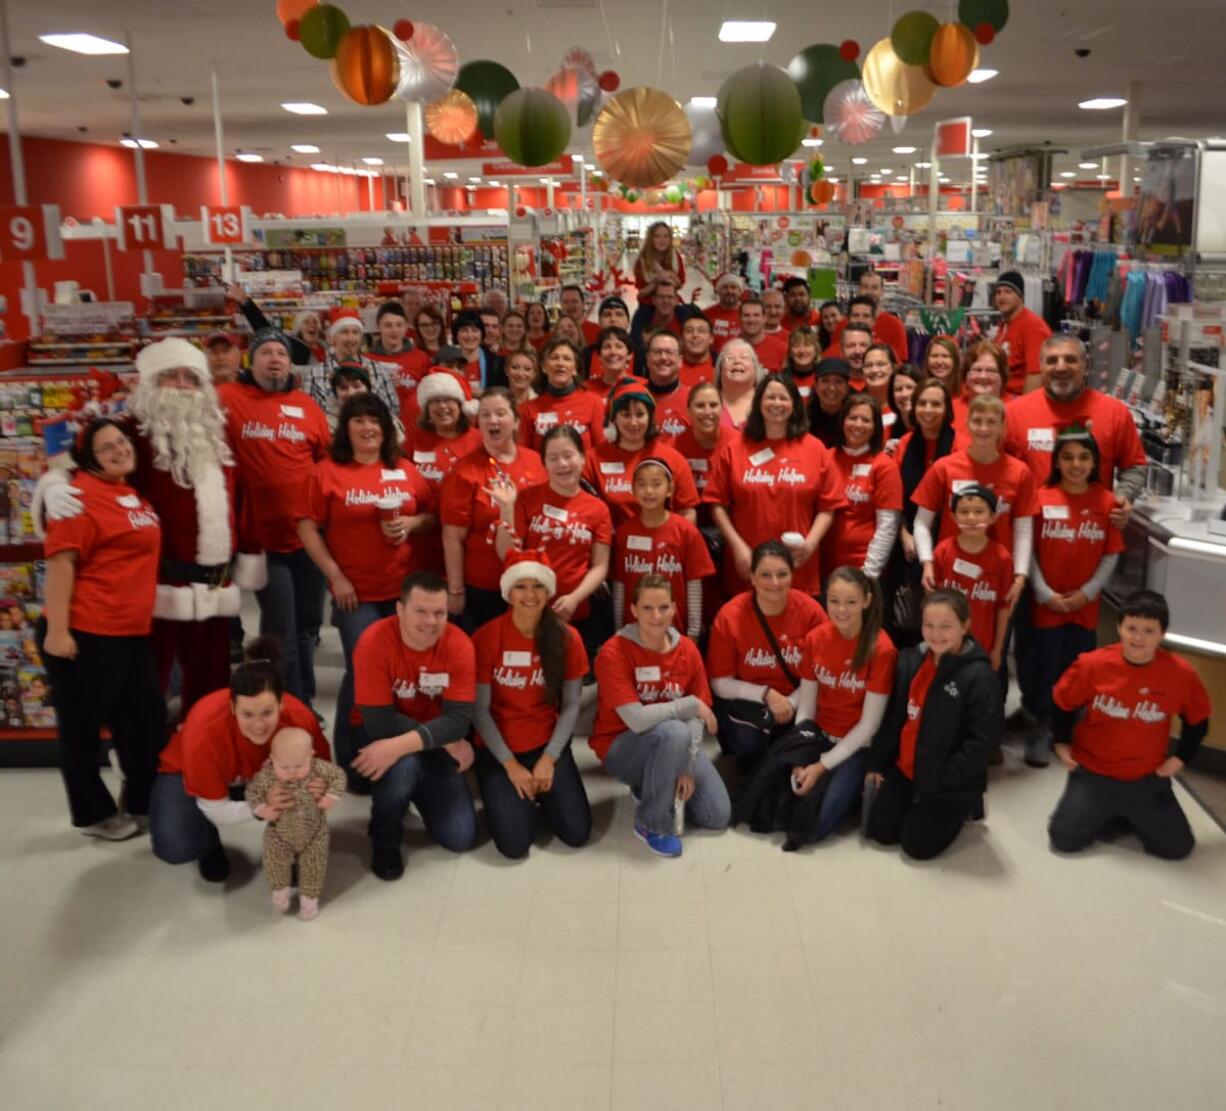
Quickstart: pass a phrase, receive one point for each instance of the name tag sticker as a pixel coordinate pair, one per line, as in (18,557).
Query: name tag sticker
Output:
(699,466)
(554,513)
(967,570)
(546,420)
(423,457)
(612,468)
(960,484)
(1041,439)
(763,456)
(434,679)
(517,659)
(1055,512)
(646,674)
(295,411)
(393,476)
(638,543)
(129,501)
(861,470)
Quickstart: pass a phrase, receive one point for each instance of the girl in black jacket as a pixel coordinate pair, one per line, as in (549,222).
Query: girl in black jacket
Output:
(929,758)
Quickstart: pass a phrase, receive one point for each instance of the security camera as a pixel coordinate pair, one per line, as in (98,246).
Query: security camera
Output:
(17,61)
(1082,52)
(114,82)
(188,100)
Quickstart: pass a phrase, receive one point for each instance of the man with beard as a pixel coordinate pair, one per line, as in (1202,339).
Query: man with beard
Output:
(185,469)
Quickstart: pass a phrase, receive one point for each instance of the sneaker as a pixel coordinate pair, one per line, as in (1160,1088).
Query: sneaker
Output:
(308,908)
(214,866)
(1021,721)
(662,844)
(387,864)
(142,822)
(118,827)
(1038,751)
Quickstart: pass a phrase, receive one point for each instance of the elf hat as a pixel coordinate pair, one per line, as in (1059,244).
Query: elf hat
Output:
(444,383)
(624,391)
(527,565)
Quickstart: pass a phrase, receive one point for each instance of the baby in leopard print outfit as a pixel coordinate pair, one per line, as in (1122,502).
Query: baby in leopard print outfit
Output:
(300,832)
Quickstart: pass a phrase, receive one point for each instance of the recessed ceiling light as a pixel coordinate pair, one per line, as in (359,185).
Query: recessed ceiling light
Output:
(811,142)
(4,94)
(859,161)
(474,179)
(1068,173)
(495,184)
(589,166)
(832,180)
(144,144)
(943,180)
(373,161)
(978,76)
(324,167)
(450,175)
(1102,103)
(887,170)
(981,132)
(1087,165)
(746,30)
(304,148)
(703,101)
(398,136)
(81,43)
(904,150)
(250,157)
(923,165)
(304,108)
(1104,177)
(428,180)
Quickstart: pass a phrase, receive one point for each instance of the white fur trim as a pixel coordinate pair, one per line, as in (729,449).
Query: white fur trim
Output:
(58,475)
(214,544)
(527,569)
(344,322)
(250,571)
(610,432)
(471,408)
(440,385)
(196,602)
(171,354)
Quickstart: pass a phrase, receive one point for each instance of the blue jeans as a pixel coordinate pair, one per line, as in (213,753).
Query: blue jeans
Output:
(1054,651)
(842,794)
(650,764)
(434,784)
(179,831)
(292,608)
(345,735)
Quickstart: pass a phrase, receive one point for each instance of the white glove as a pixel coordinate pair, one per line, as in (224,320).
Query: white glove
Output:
(62,501)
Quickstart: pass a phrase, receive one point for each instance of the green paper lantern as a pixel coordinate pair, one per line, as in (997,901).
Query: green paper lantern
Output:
(760,114)
(975,12)
(532,126)
(320,31)
(488,83)
(816,70)
(817,170)
(911,37)
(673,194)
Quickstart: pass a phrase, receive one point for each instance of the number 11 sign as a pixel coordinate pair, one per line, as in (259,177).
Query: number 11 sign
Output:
(144,227)
(223,225)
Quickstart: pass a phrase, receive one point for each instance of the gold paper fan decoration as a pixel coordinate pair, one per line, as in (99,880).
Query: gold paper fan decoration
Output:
(641,137)
(452,119)
(895,87)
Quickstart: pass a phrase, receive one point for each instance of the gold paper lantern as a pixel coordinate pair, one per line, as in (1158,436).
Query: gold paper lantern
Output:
(896,88)
(641,137)
(452,119)
(953,55)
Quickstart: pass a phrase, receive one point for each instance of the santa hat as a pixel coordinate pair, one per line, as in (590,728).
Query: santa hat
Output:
(527,565)
(171,354)
(728,278)
(624,391)
(344,318)
(442,382)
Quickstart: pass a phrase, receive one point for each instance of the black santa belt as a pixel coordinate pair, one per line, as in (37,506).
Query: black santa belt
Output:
(215,575)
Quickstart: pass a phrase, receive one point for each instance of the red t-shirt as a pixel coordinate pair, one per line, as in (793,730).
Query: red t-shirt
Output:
(277,438)
(509,663)
(672,412)
(609,469)
(1033,422)
(675,550)
(789,323)
(211,753)
(341,502)
(772,350)
(466,504)
(725,325)
(435,458)
(699,457)
(773,487)
(840,690)
(738,648)
(627,672)
(581,409)
(591,332)
(564,528)
(1128,709)
(917,694)
(1020,339)
(387,672)
(694,374)
(984,577)
(870,483)
(118,540)
(410,368)
(1008,478)
(1071,537)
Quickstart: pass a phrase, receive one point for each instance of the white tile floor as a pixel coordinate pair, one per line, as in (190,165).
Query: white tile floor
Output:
(997,978)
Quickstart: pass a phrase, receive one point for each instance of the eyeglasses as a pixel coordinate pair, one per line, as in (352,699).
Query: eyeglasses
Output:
(108,451)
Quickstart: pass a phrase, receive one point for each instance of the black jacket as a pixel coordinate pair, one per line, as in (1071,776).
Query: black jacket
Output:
(961,726)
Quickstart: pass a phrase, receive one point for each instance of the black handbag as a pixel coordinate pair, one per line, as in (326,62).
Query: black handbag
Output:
(757,714)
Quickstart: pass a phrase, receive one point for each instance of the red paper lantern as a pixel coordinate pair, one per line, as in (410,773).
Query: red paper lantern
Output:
(289,10)
(403,29)
(609,81)
(849,50)
(717,165)
(366,68)
(293,30)
(985,34)
(520,211)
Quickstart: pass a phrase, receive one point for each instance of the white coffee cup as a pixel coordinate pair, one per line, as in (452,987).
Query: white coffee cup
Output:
(793,539)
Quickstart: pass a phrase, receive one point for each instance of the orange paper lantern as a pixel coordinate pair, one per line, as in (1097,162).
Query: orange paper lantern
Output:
(365,68)
(954,54)
(293,9)
(452,119)
(821,192)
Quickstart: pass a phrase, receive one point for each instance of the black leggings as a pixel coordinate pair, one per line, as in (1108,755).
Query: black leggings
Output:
(513,821)
(924,828)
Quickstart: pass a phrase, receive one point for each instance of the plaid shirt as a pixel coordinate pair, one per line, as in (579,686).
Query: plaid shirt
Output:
(316,380)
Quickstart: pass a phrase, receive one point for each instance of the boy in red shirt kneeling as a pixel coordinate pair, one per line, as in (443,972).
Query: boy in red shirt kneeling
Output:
(1119,770)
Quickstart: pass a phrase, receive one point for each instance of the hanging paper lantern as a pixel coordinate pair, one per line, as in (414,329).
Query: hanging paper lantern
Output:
(532,126)
(641,136)
(911,37)
(993,12)
(759,110)
(673,194)
(820,192)
(954,54)
(632,196)
(293,30)
(985,34)
(816,70)
(403,29)
(815,171)
(851,116)
(717,165)
(320,29)
(364,69)
(609,81)
(488,83)
(578,58)
(706,137)
(896,88)
(428,64)
(578,90)
(452,119)
(849,50)
(288,10)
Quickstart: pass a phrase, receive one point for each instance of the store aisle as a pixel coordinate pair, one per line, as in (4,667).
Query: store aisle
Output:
(739,977)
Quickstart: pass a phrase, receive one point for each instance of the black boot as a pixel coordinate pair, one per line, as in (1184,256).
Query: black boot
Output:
(214,865)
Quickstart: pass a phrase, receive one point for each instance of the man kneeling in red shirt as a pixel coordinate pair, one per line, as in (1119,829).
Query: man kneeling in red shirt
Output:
(1119,770)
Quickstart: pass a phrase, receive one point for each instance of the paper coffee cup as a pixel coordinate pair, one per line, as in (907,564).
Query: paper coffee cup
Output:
(388,507)
(793,539)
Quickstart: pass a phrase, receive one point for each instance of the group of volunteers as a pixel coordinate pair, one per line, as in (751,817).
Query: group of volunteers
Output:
(754,521)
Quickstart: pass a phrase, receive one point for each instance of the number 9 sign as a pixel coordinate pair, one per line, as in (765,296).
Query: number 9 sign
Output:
(30,233)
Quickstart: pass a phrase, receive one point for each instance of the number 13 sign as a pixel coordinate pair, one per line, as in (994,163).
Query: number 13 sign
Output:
(144,227)
(30,233)
(223,224)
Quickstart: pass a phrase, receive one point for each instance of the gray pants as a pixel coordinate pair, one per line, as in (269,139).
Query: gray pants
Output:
(650,764)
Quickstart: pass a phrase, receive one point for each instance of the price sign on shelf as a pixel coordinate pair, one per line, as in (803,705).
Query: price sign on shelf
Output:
(30,233)
(144,227)
(225,224)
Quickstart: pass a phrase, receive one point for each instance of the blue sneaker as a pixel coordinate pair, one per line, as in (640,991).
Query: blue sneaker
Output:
(662,844)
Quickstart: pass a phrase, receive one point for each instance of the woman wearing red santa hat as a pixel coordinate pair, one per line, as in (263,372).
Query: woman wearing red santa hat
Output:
(101,584)
(530,668)
(364,505)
